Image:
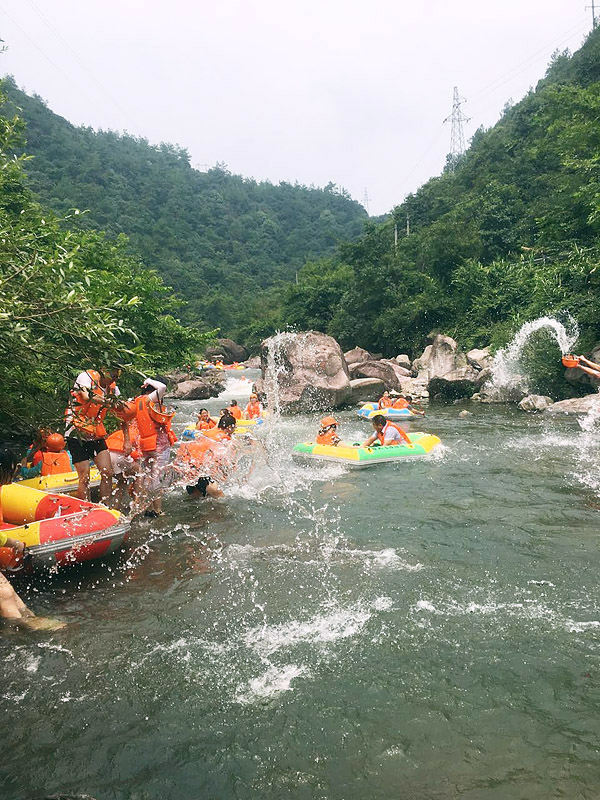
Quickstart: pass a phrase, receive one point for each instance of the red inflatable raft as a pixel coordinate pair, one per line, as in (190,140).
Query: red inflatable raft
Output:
(56,528)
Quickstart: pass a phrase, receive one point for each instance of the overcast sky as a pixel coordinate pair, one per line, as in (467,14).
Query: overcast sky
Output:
(348,91)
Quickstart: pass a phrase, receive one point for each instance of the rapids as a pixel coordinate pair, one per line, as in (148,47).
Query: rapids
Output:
(420,630)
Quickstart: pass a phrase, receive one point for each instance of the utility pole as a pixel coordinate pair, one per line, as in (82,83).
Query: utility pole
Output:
(457,136)
(395,235)
(593,15)
(366,201)
(407,225)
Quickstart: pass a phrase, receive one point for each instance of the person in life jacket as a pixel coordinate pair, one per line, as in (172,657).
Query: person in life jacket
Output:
(398,401)
(207,455)
(224,430)
(155,439)
(235,410)
(90,402)
(54,459)
(123,446)
(386,433)
(205,422)
(327,434)
(254,408)
(418,411)
(385,401)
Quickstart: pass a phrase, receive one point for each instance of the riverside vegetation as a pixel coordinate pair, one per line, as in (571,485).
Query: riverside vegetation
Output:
(509,233)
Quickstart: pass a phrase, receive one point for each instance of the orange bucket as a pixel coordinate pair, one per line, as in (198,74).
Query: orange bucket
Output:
(570,360)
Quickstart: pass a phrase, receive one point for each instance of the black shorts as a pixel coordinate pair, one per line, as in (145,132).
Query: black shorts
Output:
(84,449)
(199,486)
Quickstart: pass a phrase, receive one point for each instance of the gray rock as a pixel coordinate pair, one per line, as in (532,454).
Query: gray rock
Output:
(490,394)
(377,369)
(535,402)
(420,364)
(310,375)
(577,405)
(480,359)
(230,350)
(464,413)
(401,372)
(444,358)
(366,390)
(455,384)
(199,389)
(357,355)
(403,361)
(252,363)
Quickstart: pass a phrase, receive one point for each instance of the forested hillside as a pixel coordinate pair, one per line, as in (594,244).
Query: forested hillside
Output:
(512,233)
(220,240)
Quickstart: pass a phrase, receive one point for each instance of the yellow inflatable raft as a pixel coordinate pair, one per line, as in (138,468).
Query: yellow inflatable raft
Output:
(62,483)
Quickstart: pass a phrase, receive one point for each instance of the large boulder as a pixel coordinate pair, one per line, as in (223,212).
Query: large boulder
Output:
(230,350)
(578,405)
(415,388)
(305,372)
(403,361)
(357,355)
(199,388)
(480,359)
(420,365)
(365,390)
(252,363)
(377,369)
(401,372)
(535,402)
(453,385)
(444,357)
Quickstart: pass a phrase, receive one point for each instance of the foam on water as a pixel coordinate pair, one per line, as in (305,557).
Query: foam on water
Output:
(274,681)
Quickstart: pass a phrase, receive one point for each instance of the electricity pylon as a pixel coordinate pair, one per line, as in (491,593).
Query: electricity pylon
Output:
(457,136)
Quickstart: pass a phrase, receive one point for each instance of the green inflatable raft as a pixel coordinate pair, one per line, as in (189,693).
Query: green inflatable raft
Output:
(421,445)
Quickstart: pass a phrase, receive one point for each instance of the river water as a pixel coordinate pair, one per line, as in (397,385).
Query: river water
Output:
(421,630)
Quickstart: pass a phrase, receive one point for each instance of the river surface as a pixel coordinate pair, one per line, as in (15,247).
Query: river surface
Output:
(421,630)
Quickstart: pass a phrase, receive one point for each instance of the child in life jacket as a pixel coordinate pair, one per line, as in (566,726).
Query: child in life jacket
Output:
(254,408)
(327,434)
(51,458)
(385,401)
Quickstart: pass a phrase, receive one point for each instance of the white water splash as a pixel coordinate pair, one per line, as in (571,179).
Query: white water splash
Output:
(508,379)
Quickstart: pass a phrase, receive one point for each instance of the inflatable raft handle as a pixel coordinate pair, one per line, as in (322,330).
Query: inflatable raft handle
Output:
(569,360)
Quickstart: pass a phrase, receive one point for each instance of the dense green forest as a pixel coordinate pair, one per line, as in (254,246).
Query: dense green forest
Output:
(221,241)
(71,299)
(511,233)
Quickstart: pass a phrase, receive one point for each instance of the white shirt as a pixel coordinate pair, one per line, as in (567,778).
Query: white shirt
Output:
(391,435)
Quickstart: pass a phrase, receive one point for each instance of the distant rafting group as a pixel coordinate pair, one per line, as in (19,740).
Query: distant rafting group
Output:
(45,511)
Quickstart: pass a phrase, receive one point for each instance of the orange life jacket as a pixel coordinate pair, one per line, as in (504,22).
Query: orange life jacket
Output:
(151,418)
(55,463)
(205,455)
(205,425)
(116,441)
(384,402)
(253,410)
(400,403)
(89,414)
(235,412)
(328,438)
(218,434)
(381,436)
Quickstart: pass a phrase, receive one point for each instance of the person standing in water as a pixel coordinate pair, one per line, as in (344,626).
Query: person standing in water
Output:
(85,431)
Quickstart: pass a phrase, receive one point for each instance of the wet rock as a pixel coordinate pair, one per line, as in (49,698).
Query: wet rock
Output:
(415,388)
(199,388)
(535,402)
(577,405)
(452,385)
(480,359)
(490,394)
(230,350)
(377,369)
(365,390)
(464,413)
(311,373)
